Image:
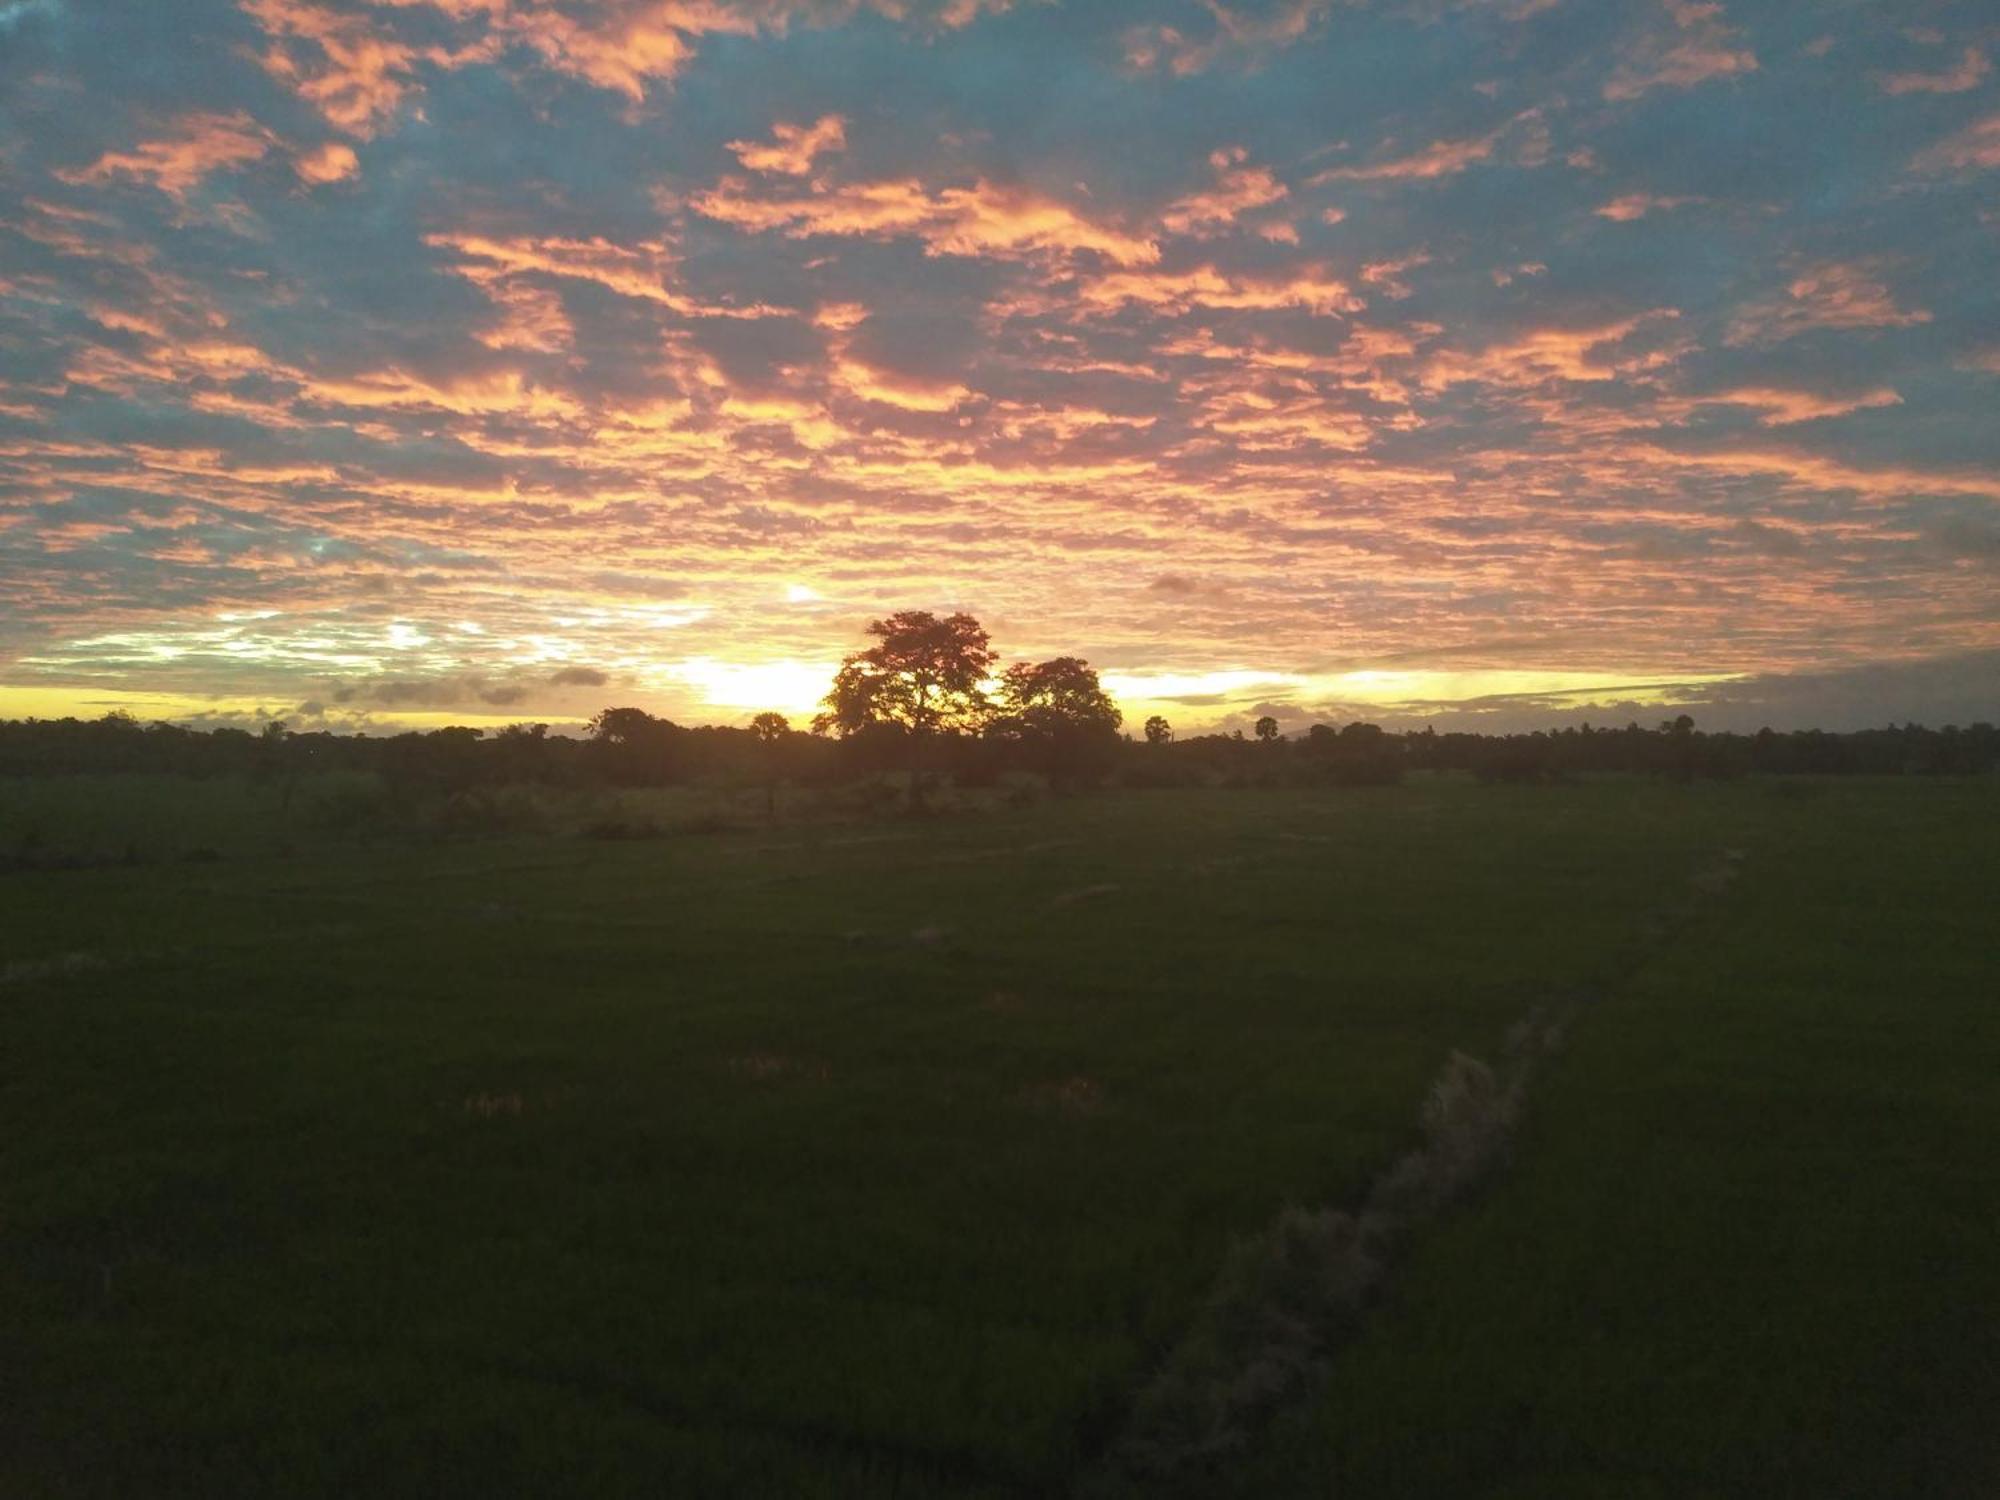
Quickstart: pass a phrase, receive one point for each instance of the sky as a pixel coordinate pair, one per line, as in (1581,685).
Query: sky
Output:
(1487,363)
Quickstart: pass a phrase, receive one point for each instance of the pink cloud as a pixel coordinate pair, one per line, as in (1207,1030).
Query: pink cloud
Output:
(641,270)
(1700,46)
(199,144)
(792,148)
(355,70)
(1966,73)
(984,219)
(1388,274)
(1975,148)
(1438,159)
(353,73)
(1310,289)
(1630,206)
(1832,295)
(1238,190)
(1588,353)
(1816,472)
(1780,407)
(331,162)
(1237,34)
(961,13)
(895,389)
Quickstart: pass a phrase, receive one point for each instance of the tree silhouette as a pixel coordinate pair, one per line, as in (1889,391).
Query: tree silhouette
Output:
(1267,729)
(923,678)
(636,748)
(923,675)
(1062,693)
(770,730)
(1158,731)
(1060,714)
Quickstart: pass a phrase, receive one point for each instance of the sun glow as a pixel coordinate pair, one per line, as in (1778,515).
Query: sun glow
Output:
(788,687)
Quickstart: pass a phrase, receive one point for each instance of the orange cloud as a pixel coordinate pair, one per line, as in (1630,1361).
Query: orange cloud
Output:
(631,271)
(1238,189)
(1812,471)
(502,392)
(332,162)
(793,147)
(872,384)
(1834,295)
(1388,274)
(358,76)
(1778,407)
(527,317)
(1700,47)
(984,219)
(1542,354)
(361,71)
(1281,420)
(1637,205)
(201,143)
(1236,33)
(961,13)
(1439,159)
(1966,73)
(1310,288)
(620,49)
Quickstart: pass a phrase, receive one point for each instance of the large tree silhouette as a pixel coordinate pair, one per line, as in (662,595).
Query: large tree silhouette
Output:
(1060,694)
(921,679)
(1060,716)
(923,675)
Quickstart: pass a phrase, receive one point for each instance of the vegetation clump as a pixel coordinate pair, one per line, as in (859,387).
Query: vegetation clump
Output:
(1290,1295)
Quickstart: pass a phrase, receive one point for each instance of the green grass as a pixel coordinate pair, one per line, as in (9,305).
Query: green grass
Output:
(1752,1245)
(887,1159)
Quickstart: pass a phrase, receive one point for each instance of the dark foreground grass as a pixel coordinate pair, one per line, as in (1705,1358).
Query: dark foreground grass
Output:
(890,1159)
(1752,1243)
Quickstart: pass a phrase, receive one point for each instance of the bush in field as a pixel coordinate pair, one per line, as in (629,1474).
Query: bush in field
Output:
(490,811)
(1288,1296)
(346,804)
(1468,1118)
(1281,1296)
(1354,755)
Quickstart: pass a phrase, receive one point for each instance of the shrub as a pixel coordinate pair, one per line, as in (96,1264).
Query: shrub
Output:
(347,804)
(1282,1297)
(489,812)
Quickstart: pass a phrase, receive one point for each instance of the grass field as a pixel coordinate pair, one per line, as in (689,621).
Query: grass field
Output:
(889,1158)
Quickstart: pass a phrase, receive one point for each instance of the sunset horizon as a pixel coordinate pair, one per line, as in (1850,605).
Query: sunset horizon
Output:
(954,749)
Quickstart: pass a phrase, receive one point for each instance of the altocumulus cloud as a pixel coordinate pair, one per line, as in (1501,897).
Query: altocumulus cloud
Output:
(407,356)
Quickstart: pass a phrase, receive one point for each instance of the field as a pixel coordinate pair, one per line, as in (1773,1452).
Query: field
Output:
(892,1157)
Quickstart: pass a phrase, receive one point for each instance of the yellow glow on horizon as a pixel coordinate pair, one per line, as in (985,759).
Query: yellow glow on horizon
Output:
(710,689)
(786,687)
(1402,692)
(89,702)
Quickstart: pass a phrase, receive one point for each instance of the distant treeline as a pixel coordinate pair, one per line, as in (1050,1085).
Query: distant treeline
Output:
(629,747)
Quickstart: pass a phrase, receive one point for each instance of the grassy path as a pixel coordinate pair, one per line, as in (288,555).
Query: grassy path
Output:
(1752,1244)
